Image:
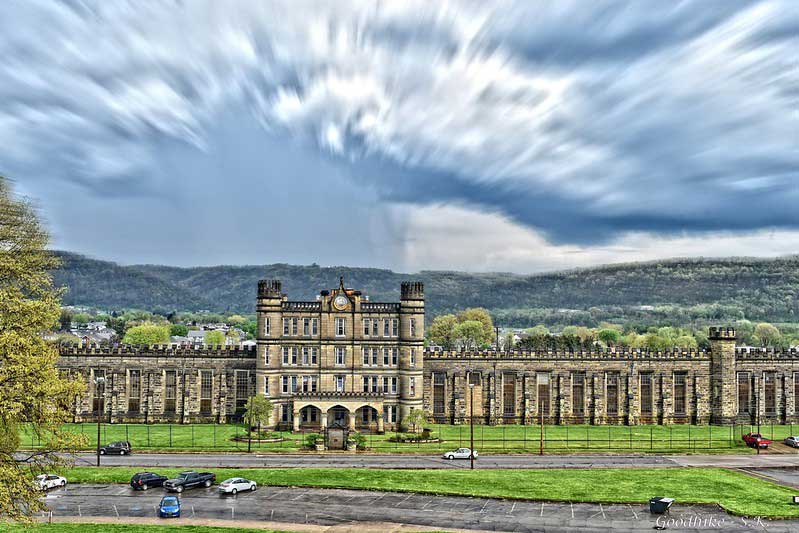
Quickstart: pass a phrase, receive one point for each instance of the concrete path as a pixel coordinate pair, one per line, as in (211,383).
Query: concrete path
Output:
(341,460)
(354,510)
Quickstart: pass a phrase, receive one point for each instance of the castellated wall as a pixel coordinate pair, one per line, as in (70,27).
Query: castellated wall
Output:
(722,385)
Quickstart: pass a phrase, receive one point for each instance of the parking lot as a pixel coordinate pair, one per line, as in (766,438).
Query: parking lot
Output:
(340,507)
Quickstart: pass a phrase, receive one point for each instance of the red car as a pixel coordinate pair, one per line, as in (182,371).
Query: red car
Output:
(756,440)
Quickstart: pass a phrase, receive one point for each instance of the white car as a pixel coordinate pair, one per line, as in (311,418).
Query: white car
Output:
(792,441)
(460,453)
(237,484)
(50,481)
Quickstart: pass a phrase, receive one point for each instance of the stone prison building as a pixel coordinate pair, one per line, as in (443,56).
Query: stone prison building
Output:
(346,361)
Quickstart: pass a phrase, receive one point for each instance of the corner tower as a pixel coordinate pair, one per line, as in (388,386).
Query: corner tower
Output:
(269,313)
(411,346)
(722,375)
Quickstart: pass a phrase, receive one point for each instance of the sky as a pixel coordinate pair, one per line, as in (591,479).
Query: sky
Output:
(414,135)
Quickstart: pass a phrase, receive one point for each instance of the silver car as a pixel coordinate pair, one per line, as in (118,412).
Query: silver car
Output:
(792,441)
(460,453)
(235,485)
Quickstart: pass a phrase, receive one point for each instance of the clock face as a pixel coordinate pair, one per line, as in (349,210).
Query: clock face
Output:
(340,302)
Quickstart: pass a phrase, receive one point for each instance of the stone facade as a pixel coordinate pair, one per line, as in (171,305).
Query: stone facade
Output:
(343,360)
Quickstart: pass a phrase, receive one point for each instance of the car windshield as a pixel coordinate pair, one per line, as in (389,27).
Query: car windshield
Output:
(40,477)
(231,480)
(169,501)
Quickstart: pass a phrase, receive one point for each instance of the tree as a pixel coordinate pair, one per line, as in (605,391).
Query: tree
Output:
(480,315)
(414,419)
(686,341)
(609,336)
(147,335)
(214,337)
(32,392)
(767,334)
(236,320)
(469,333)
(442,331)
(537,331)
(257,412)
(178,330)
(65,320)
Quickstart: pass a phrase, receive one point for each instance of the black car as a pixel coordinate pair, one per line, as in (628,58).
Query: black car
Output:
(190,479)
(145,480)
(119,448)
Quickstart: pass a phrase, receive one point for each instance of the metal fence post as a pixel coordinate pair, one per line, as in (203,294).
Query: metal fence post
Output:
(631,436)
(670,438)
(127,435)
(170,435)
(148,435)
(214,432)
(651,439)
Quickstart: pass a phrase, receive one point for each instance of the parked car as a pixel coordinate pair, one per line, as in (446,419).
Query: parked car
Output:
(237,484)
(187,480)
(756,440)
(460,453)
(145,480)
(50,481)
(118,448)
(169,507)
(792,441)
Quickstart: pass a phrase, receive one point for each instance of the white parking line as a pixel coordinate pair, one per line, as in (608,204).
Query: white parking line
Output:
(192,511)
(542,509)
(571,504)
(633,511)
(512,507)
(79,511)
(115,510)
(603,511)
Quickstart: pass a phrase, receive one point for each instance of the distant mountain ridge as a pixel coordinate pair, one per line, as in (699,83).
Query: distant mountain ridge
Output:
(766,289)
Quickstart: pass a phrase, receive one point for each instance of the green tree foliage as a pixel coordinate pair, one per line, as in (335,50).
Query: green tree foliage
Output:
(65,320)
(767,334)
(442,331)
(470,334)
(414,420)
(178,330)
(236,320)
(538,330)
(257,413)
(147,335)
(214,338)
(478,314)
(610,337)
(31,390)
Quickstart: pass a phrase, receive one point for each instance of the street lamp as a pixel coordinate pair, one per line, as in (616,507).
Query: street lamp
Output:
(98,383)
(471,425)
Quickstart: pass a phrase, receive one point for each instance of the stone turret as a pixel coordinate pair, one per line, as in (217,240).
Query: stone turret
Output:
(411,346)
(722,375)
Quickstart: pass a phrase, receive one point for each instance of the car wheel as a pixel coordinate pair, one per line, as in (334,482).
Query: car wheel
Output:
(102,452)
(208,483)
(179,489)
(252,487)
(234,491)
(122,452)
(450,457)
(64,483)
(145,486)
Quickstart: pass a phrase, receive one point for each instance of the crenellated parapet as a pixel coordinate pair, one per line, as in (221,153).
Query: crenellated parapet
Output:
(744,352)
(270,288)
(158,350)
(599,354)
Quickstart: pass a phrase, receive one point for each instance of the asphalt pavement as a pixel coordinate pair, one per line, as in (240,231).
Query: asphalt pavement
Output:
(325,507)
(362,460)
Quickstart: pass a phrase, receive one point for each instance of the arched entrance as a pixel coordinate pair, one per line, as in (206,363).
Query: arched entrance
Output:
(338,415)
(366,417)
(310,417)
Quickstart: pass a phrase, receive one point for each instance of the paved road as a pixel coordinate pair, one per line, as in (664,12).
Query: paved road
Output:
(336,460)
(335,506)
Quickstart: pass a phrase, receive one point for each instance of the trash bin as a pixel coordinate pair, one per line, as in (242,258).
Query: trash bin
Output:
(660,505)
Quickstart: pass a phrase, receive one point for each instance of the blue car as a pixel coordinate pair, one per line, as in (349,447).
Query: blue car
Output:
(170,507)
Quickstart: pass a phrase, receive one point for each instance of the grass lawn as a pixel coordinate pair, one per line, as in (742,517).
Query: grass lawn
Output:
(488,439)
(736,492)
(121,528)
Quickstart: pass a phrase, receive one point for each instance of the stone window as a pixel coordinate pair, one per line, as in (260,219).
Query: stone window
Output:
(393,385)
(242,389)
(439,393)
(389,413)
(395,327)
(744,392)
(340,383)
(385,388)
(375,327)
(285,355)
(170,391)
(385,356)
(266,355)
(770,393)
(285,382)
(286,327)
(314,355)
(374,356)
(306,326)
(340,327)
(305,355)
(98,400)
(612,392)
(413,356)
(509,394)
(646,394)
(134,390)
(542,379)
(386,326)
(294,353)
(394,356)
(578,393)
(475,378)
(295,326)
(365,356)
(680,380)
(314,327)
(293,383)
(339,355)
(365,383)
(206,390)
(267,327)
(412,387)
(266,386)
(413,327)
(366,327)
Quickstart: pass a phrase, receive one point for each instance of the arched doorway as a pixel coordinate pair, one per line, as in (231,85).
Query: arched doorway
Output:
(366,418)
(338,416)
(310,417)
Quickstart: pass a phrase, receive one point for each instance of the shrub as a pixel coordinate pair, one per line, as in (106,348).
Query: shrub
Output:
(311,438)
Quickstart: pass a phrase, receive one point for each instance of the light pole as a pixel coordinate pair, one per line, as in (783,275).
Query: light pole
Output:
(98,383)
(471,425)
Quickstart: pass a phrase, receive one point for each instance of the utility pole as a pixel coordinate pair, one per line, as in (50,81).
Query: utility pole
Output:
(471,425)
(99,383)
(497,329)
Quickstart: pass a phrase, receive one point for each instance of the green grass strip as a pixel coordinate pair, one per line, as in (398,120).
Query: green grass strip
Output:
(122,528)
(736,492)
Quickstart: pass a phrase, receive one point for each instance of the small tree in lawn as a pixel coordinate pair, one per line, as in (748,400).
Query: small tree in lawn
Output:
(257,412)
(414,419)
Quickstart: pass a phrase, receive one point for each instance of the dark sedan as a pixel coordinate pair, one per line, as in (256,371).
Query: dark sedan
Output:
(146,480)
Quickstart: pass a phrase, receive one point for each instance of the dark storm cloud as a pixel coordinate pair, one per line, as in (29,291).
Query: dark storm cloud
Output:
(582,122)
